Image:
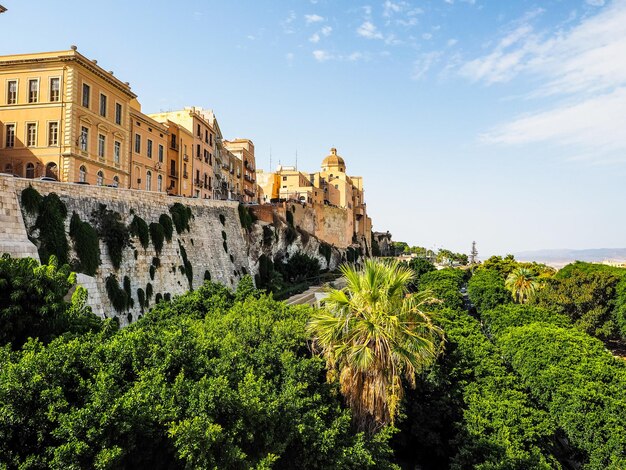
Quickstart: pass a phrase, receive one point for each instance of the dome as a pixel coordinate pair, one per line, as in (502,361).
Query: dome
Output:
(333,160)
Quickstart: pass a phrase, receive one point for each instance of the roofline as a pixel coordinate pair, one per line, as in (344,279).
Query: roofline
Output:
(71,55)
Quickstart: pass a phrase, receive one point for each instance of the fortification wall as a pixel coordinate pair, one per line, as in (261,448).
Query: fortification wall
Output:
(204,243)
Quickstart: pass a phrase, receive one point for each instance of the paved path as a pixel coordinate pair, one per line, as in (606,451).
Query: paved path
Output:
(313,294)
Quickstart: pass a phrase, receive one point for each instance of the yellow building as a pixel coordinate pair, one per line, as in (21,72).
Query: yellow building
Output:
(149,143)
(243,149)
(202,149)
(65,117)
(331,186)
(178,164)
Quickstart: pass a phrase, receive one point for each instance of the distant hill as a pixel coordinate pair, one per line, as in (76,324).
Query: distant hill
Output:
(559,258)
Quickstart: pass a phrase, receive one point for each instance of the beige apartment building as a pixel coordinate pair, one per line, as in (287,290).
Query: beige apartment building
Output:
(179,164)
(243,149)
(64,116)
(202,147)
(147,159)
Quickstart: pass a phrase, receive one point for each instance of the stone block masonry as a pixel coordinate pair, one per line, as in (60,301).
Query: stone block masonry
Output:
(204,243)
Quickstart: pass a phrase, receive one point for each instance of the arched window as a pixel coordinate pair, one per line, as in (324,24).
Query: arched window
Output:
(30,170)
(159,183)
(116,181)
(148,180)
(51,170)
(82,174)
(100,178)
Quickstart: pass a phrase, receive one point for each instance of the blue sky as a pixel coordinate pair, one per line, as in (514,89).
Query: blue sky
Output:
(497,121)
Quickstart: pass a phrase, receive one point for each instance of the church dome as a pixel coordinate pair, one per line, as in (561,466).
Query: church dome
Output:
(334,161)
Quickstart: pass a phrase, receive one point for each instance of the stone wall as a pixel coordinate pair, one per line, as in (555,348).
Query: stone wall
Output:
(203,243)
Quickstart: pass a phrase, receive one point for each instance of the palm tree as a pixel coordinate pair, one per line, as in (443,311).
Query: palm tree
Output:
(522,283)
(371,333)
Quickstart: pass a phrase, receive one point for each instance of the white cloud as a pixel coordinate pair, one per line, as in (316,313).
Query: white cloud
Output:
(287,23)
(313,18)
(582,68)
(369,31)
(326,30)
(356,56)
(322,56)
(389,7)
(452,42)
(427,36)
(595,3)
(289,56)
(423,64)
(315,38)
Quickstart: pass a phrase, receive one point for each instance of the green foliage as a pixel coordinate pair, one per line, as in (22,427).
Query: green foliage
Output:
(168,228)
(31,199)
(86,245)
(158,298)
(141,297)
(32,302)
(300,266)
(152,271)
(326,251)
(112,231)
(375,246)
(586,294)
(119,298)
(139,228)
(246,289)
(266,269)
(421,266)
(156,262)
(149,291)
(503,266)
(246,217)
(268,235)
(444,285)
(400,247)
(181,216)
(108,400)
(50,223)
(207,275)
(222,219)
(619,311)
(513,315)
(157,233)
(187,267)
(290,234)
(486,289)
(127,289)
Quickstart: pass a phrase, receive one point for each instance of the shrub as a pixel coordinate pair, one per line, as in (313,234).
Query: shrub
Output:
(127,289)
(181,216)
(268,234)
(139,228)
(31,199)
(246,218)
(326,251)
(157,233)
(149,291)
(444,285)
(301,266)
(167,297)
(141,297)
(290,234)
(112,231)
(156,262)
(486,290)
(51,225)
(158,298)
(187,268)
(86,245)
(168,228)
(118,296)
(152,272)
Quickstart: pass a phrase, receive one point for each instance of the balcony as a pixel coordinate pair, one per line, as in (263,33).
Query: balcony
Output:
(174,146)
(247,178)
(197,183)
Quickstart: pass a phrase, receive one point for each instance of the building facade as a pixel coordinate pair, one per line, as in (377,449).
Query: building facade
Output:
(243,149)
(64,117)
(148,151)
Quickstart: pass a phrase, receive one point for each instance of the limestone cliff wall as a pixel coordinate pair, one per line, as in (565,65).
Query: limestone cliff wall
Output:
(204,243)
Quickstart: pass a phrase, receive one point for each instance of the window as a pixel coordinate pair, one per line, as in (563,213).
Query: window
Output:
(148,180)
(103,105)
(284,178)
(149,148)
(86,93)
(101,145)
(198,131)
(100,178)
(55,89)
(211,140)
(198,152)
(159,183)
(137,143)
(30,170)
(118,114)
(53,133)
(116,181)
(210,159)
(117,147)
(206,136)
(173,167)
(173,144)
(84,138)
(82,174)
(160,153)
(31,134)
(33,90)
(10,136)
(12,92)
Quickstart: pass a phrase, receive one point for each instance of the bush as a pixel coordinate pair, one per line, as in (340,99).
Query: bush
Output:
(181,216)
(141,297)
(268,235)
(118,296)
(139,228)
(31,199)
(86,245)
(168,228)
(246,217)
(513,315)
(300,266)
(486,290)
(444,285)
(326,251)
(187,267)
(152,272)
(149,291)
(157,233)
(51,225)
(112,231)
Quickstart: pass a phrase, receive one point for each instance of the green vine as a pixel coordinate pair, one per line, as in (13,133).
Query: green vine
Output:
(168,227)
(157,233)
(31,199)
(86,245)
(117,295)
(139,229)
(181,216)
(112,231)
